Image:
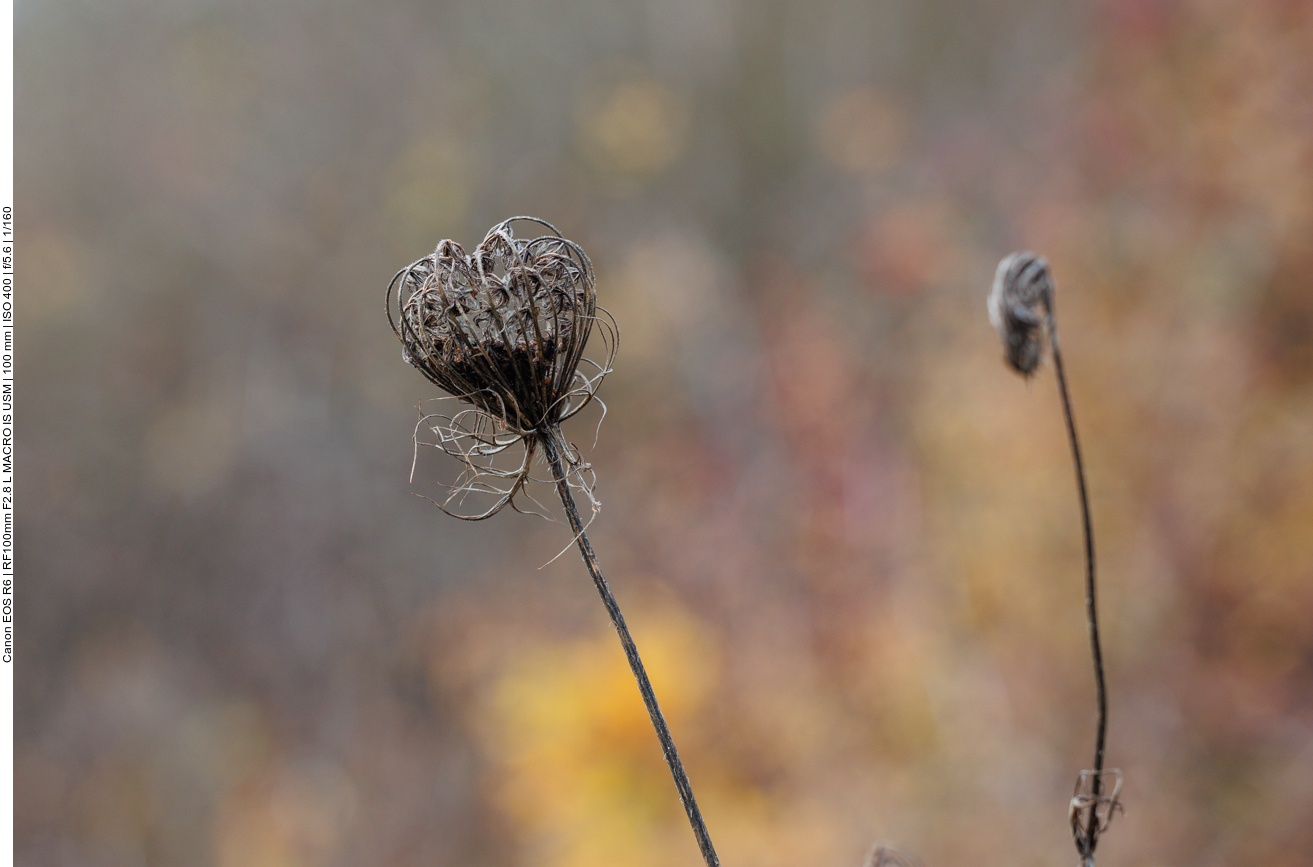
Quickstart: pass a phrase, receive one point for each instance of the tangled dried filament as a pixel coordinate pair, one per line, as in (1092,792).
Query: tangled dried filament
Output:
(1091,810)
(503,329)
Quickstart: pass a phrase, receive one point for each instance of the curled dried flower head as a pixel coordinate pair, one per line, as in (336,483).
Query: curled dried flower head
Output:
(1019,304)
(502,328)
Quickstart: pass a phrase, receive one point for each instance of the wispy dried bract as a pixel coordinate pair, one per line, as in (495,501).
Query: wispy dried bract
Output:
(502,328)
(1019,302)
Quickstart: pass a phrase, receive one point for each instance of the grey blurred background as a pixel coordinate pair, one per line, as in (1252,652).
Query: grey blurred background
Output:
(845,536)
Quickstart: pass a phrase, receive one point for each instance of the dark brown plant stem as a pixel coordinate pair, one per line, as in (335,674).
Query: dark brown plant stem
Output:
(549,441)
(1091,608)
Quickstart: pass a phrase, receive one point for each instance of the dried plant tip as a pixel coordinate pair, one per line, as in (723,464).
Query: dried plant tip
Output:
(1019,305)
(884,855)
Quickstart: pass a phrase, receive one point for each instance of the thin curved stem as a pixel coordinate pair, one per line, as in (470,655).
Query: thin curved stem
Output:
(631,652)
(1091,608)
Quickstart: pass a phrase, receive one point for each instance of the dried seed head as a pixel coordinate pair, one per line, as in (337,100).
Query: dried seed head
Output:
(1019,305)
(503,328)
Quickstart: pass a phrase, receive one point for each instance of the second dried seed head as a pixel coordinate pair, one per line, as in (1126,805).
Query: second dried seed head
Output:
(1020,304)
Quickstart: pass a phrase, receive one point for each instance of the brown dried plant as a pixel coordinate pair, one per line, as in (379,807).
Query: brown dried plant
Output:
(1021,310)
(503,329)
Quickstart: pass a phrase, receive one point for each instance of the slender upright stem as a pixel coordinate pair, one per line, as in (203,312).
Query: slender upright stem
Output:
(1091,609)
(631,652)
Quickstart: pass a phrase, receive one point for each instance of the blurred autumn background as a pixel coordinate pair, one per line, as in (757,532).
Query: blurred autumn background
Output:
(846,537)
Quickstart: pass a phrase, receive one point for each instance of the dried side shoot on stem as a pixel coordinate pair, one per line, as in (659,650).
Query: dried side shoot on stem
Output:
(1021,310)
(503,329)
